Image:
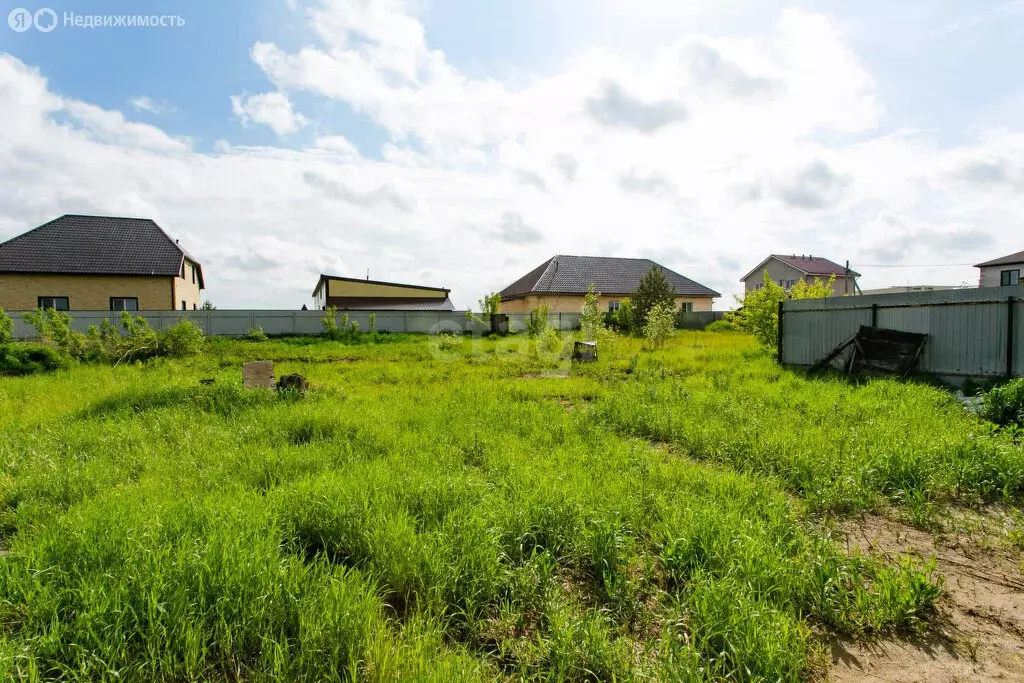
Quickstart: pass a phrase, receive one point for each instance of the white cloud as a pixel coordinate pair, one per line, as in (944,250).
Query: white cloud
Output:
(710,150)
(273,109)
(146,103)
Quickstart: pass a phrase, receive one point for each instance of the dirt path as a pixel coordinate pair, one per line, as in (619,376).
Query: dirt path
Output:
(979,635)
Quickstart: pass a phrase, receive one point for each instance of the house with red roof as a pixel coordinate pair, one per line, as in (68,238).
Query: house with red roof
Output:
(786,270)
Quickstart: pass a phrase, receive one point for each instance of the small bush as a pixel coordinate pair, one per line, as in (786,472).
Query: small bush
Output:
(539,321)
(28,359)
(255,334)
(6,327)
(182,339)
(347,331)
(720,326)
(1004,405)
(660,322)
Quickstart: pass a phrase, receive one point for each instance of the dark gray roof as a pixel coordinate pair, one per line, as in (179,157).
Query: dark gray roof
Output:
(95,245)
(1004,261)
(609,275)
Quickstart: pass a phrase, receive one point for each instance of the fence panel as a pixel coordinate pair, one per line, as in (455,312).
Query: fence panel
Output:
(968,330)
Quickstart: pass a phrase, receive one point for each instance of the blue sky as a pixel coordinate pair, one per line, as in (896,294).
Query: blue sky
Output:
(402,135)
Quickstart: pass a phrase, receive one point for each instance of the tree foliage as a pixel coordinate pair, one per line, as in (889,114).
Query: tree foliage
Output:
(591,318)
(759,309)
(661,321)
(540,320)
(654,289)
(6,327)
(489,306)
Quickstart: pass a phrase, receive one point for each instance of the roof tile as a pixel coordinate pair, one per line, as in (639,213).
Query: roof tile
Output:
(609,275)
(94,245)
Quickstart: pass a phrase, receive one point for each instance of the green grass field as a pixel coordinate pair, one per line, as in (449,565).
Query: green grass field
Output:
(462,511)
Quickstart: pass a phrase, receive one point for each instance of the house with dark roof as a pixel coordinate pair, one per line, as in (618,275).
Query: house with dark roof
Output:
(98,263)
(354,294)
(562,281)
(786,270)
(1002,272)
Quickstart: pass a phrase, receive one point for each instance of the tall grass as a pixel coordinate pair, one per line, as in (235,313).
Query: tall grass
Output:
(450,520)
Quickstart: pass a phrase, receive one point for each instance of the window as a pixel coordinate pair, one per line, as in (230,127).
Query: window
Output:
(787,284)
(1009,277)
(184,306)
(686,307)
(182,270)
(613,306)
(59,303)
(124,303)
(193,266)
(194,307)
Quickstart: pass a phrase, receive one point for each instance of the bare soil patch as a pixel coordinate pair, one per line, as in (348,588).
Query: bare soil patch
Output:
(978,634)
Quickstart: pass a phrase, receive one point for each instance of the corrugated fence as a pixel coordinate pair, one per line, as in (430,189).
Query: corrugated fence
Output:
(226,323)
(971,332)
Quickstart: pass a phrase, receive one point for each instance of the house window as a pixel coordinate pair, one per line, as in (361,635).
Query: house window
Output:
(124,303)
(613,306)
(184,306)
(686,307)
(182,270)
(59,303)
(1009,277)
(193,273)
(787,284)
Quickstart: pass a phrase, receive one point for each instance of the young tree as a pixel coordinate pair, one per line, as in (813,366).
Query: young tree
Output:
(207,306)
(488,308)
(661,320)
(6,327)
(591,318)
(654,289)
(759,312)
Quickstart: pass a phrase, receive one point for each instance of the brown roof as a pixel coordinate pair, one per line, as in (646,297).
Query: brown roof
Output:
(609,275)
(1003,261)
(809,265)
(95,245)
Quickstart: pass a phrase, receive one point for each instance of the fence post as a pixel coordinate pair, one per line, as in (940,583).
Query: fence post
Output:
(782,319)
(874,315)
(1010,301)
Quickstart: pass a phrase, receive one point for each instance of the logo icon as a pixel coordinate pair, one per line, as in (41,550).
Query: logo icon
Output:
(45,20)
(20,19)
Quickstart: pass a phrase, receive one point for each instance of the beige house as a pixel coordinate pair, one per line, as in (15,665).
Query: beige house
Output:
(346,293)
(1002,272)
(786,271)
(98,263)
(561,282)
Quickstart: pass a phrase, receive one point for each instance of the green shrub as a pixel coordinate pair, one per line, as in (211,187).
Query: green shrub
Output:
(255,334)
(347,331)
(539,320)
(54,327)
(6,327)
(759,312)
(591,318)
(19,358)
(182,339)
(720,326)
(1004,405)
(659,324)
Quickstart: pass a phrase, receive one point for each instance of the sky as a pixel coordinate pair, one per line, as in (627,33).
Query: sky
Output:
(460,143)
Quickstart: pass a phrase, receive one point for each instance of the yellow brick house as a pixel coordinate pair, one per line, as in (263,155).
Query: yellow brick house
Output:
(562,281)
(98,263)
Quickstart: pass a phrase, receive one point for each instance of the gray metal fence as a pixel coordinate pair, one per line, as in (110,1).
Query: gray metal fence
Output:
(971,332)
(228,323)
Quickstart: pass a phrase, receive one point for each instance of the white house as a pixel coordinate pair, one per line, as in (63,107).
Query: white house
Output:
(1002,272)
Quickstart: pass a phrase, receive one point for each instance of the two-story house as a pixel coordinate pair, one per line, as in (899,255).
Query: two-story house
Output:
(1002,272)
(98,263)
(786,271)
